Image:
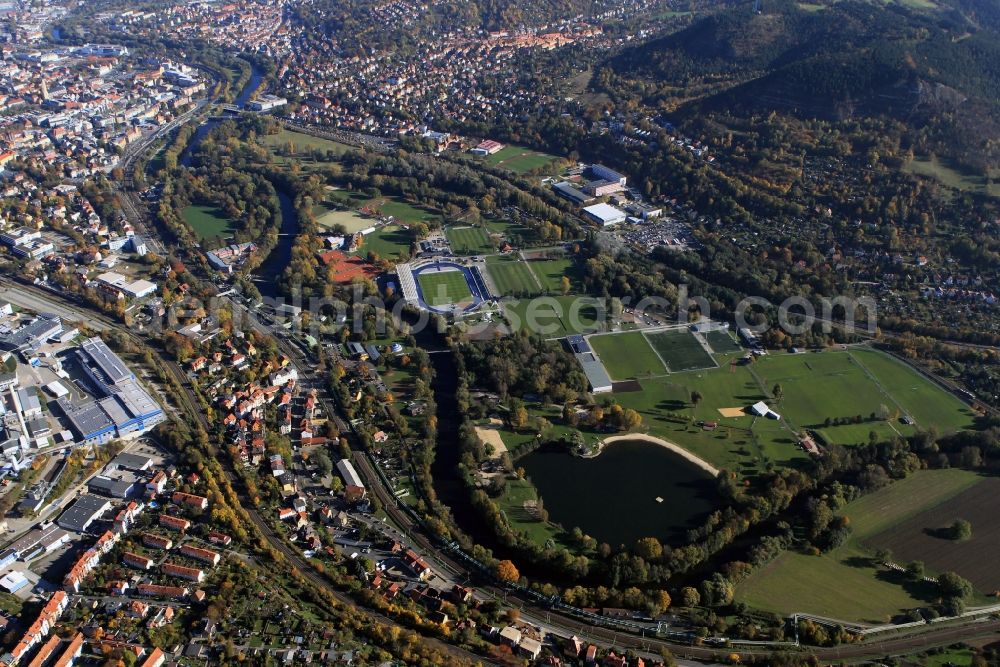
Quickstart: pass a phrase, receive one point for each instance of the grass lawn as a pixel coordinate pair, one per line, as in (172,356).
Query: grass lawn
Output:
(302,143)
(550,273)
(626,355)
(722,342)
(403,211)
(444,288)
(519,160)
(555,316)
(918,397)
(208,222)
(680,350)
(960,657)
(512,502)
(951,176)
(351,221)
(511,230)
(847,390)
(390,242)
(844,583)
(511,276)
(469,240)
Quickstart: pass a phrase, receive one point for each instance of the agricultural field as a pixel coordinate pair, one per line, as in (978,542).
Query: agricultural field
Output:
(469,240)
(680,350)
(443,288)
(520,160)
(627,355)
(388,242)
(845,583)
(550,273)
(722,342)
(208,222)
(924,536)
(555,317)
(511,276)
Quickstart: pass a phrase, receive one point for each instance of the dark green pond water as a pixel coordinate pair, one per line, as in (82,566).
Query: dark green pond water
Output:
(613,497)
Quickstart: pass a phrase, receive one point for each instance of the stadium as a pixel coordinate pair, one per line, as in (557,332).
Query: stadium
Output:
(441,286)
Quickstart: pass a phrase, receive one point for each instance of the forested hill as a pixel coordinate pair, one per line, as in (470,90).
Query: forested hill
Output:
(833,60)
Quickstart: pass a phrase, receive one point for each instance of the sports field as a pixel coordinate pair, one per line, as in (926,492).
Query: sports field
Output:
(404,211)
(207,222)
(916,396)
(351,221)
(550,273)
(845,583)
(443,288)
(680,350)
(389,242)
(813,387)
(520,160)
(469,240)
(722,342)
(511,276)
(555,317)
(626,355)
(860,382)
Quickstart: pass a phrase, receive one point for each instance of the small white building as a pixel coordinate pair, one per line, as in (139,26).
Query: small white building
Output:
(761,409)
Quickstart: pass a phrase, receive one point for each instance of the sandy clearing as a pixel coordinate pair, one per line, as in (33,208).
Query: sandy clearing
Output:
(732,412)
(490,435)
(677,449)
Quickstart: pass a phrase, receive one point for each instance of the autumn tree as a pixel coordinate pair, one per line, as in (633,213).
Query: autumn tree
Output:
(507,571)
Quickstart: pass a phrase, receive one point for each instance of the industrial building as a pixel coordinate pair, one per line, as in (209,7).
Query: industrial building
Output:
(31,336)
(87,509)
(604,214)
(122,406)
(601,172)
(567,190)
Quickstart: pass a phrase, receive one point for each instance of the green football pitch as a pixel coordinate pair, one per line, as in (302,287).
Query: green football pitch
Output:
(443,288)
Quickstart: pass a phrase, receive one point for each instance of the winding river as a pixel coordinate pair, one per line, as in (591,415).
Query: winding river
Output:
(267,274)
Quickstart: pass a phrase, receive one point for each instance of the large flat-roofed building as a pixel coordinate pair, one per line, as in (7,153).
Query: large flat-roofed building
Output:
(89,423)
(103,365)
(267,103)
(350,475)
(116,282)
(567,190)
(597,375)
(32,335)
(87,509)
(133,462)
(604,214)
(118,484)
(607,174)
(123,406)
(601,187)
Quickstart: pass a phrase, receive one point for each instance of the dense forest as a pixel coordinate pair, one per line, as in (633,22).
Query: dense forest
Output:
(828,60)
